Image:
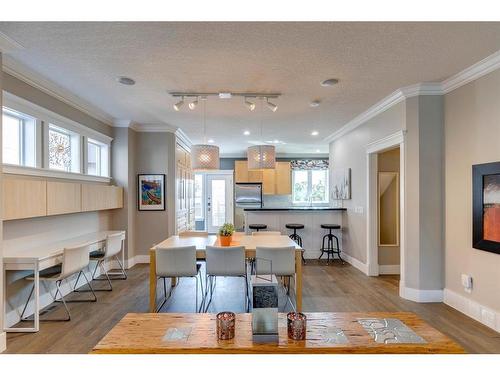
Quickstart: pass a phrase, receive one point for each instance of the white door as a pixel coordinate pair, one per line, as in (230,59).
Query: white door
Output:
(219,201)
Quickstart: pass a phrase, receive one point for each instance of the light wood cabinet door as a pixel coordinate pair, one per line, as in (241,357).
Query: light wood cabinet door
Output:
(268,181)
(101,197)
(63,197)
(283,178)
(24,198)
(241,171)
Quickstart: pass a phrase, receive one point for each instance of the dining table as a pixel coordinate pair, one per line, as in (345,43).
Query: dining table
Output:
(250,243)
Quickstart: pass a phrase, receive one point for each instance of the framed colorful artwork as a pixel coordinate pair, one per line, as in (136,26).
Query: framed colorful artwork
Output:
(486,207)
(151,189)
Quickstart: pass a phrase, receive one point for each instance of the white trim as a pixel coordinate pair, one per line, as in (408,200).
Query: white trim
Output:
(3,341)
(472,73)
(43,172)
(7,44)
(141,259)
(181,136)
(389,269)
(356,263)
(36,80)
(391,141)
(420,295)
(465,76)
(485,315)
(155,128)
(22,105)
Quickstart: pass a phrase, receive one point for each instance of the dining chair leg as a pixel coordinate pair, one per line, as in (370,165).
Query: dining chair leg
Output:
(100,265)
(27,302)
(196,296)
(165,297)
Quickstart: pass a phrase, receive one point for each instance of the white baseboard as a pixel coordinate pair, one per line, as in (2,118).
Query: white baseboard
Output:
(141,259)
(355,263)
(389,269)
(420,295)
(3,341)
(473,309)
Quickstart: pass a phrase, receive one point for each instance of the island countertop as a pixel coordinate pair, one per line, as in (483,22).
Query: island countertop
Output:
(296,209)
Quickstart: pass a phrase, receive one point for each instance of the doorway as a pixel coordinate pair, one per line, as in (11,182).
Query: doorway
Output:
(374,187)
(213,200)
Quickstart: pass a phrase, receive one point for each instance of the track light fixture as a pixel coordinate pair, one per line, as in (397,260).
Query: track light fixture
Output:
(178,105)
(273,107)
(193,104)
(249,104)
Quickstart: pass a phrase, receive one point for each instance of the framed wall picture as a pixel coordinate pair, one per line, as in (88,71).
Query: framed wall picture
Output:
(341,183)
(486,207)
(151,192)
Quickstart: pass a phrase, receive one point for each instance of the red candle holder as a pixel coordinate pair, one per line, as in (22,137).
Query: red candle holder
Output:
(296,323)
(225,325)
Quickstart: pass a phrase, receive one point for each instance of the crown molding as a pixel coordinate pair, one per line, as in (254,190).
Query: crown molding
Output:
(467,75)
(36,80)
(8,44)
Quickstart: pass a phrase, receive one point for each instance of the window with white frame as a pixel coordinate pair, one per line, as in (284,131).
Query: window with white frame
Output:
(18,138)
(310,186)
(97,158)
(64,149)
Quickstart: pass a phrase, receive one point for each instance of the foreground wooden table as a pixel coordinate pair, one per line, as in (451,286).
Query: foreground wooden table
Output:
(144,334)
(239,239)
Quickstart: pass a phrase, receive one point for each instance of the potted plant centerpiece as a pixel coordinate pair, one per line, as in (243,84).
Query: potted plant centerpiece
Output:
(226,234)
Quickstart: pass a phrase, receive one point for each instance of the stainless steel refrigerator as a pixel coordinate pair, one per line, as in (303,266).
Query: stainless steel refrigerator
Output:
(246,195)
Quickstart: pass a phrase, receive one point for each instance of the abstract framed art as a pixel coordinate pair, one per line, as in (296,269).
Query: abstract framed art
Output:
(486,207)
(151,192)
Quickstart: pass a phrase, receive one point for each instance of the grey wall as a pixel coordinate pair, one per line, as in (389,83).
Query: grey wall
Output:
(152,156)
(32,94)
(3,336)
(472,136)
(349,151)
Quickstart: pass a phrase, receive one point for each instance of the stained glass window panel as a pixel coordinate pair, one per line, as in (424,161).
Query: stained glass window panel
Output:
(59,150)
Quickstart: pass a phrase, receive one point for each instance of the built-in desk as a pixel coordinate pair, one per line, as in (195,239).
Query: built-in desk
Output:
(34,257)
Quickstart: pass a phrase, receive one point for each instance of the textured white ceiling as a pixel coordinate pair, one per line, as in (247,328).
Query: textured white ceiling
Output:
(370,59)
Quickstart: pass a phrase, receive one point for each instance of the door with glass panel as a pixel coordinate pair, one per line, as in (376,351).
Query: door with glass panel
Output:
(219,201)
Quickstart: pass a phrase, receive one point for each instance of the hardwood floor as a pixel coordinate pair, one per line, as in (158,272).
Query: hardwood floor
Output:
(326,288)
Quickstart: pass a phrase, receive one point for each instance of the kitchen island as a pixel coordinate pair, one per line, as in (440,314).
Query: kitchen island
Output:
(311,217)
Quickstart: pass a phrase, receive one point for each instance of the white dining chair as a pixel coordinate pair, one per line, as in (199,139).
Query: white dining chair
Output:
(266,233)
(227,262)
(111,249)
(279,261)
(177,262)
(75,260)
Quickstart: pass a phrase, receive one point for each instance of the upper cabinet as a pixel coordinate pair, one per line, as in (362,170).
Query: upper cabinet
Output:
(276,181)
(27,197)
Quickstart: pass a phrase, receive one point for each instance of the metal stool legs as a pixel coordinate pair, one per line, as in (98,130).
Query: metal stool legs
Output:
(329,249)
(295,237)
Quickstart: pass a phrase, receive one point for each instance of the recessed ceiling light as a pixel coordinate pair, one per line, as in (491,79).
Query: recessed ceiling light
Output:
(126,80)
(246,132)
(329,82)
(314,103)
(210,141)
(314,132)
(318,151)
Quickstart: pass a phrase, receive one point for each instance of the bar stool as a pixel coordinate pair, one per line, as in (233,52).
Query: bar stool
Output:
(296,237)
(330,236)
(257,227)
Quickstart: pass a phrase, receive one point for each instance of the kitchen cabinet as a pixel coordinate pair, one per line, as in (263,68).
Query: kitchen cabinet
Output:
(274,181)
(184,190)
(24,198)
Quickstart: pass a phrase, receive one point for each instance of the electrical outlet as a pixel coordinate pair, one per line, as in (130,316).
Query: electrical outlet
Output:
(467,283)
(358,209)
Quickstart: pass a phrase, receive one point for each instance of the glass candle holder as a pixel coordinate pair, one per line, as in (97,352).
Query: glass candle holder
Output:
(225,325)
(296,323)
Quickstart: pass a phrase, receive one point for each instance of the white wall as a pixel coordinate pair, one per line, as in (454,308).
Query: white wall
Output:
(472,136)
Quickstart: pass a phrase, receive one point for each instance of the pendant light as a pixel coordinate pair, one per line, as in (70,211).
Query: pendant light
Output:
(204,156)
(261,156)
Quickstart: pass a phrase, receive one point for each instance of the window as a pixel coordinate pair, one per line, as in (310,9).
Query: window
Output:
(198,197)
(19,137)
(310,186)
(64,149)
(97,158)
